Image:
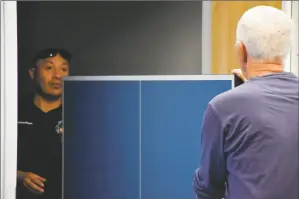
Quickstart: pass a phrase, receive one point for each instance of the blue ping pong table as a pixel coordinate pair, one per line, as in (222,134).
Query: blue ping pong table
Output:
(134,137)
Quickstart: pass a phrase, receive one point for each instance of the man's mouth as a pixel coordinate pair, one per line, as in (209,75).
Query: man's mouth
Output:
(56,85)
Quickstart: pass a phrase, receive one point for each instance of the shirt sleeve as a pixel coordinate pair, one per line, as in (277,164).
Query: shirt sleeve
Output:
(209,179)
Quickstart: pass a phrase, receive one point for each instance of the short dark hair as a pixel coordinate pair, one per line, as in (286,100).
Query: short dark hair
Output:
(52,52)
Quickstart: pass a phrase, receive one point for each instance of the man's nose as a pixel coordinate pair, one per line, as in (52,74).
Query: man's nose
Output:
(57,74)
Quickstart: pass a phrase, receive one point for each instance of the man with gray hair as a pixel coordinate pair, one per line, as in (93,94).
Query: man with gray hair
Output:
(250,133)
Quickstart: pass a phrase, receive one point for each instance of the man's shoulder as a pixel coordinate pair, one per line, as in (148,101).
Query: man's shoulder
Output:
(25,102)
(233,94)
(234,98)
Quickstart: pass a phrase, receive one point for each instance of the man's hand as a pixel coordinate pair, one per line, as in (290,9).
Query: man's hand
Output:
(32,181)
(239,73)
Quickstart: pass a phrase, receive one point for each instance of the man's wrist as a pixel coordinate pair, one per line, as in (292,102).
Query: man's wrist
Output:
(21,175)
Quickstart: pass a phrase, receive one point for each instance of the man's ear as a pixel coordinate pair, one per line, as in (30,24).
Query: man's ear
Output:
(31,73)
(242,53)
(243,58)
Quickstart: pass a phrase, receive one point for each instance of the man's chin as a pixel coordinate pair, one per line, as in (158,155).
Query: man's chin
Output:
(51,96)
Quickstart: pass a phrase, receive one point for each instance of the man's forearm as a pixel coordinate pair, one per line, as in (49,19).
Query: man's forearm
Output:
(203,194)
(204,191)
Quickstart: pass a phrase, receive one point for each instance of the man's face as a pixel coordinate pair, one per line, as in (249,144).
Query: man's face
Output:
(48,75)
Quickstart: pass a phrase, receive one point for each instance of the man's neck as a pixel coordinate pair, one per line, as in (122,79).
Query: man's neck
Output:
(46,105)
(259,69)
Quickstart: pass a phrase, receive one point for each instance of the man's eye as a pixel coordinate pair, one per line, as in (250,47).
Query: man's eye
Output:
(48,67)
(64,69)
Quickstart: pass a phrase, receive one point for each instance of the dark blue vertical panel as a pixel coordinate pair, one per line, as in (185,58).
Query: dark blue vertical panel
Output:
(172,113)
(101,140)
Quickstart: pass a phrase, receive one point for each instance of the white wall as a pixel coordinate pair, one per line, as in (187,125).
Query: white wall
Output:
(206,43)
(287,8)
(8,99)
(2,113)
(295,53)
(291,63)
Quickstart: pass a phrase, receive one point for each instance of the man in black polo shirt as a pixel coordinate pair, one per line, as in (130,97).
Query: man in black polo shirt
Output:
(40,127)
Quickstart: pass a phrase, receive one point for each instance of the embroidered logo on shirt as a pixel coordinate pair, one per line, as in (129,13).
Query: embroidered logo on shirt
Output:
(25,122)
(58,126)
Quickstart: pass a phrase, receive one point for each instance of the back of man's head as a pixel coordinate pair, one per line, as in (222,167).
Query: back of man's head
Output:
(266,32)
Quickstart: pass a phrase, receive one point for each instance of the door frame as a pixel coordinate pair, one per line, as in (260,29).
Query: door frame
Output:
(9,96)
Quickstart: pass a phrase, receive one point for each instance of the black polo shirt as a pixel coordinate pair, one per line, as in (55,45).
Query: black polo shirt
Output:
(39,148)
